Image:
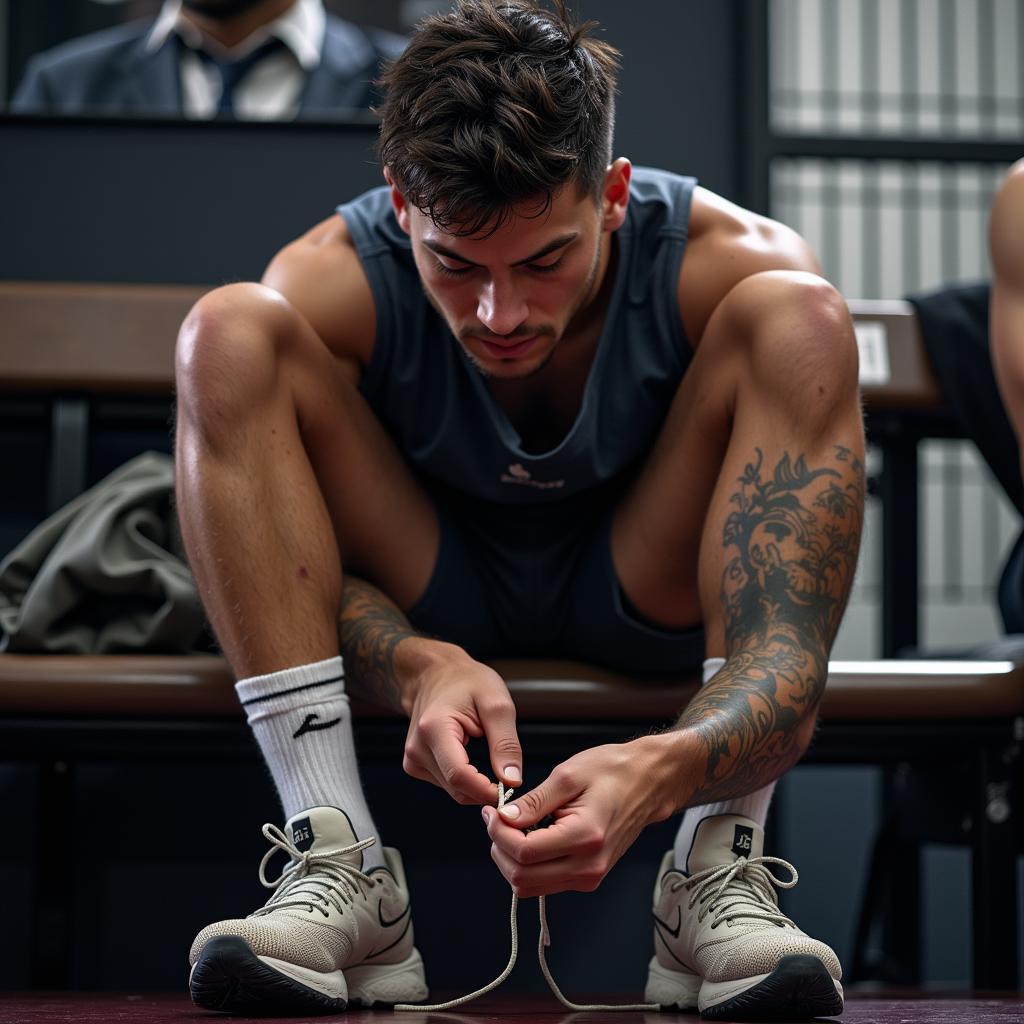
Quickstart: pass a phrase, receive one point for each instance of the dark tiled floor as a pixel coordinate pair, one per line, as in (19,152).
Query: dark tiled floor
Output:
(99,1008)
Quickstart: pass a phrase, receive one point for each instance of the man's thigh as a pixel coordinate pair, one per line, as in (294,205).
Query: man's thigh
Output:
(758,466)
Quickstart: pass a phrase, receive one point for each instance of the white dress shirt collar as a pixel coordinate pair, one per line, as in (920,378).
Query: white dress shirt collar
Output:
(301,28)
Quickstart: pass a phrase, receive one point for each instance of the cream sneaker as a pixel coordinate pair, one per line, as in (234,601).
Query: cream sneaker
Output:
(330,935)
(721,943)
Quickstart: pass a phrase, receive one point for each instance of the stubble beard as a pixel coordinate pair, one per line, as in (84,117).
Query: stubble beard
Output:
(585,294)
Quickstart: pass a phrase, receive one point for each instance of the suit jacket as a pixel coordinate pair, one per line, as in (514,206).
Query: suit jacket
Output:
(110,72)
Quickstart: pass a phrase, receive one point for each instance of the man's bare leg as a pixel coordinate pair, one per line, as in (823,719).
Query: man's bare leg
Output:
(283,473)
(761,458)
(747,516)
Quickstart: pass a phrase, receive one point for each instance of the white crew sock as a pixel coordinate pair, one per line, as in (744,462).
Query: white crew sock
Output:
(753,805)
(303,724)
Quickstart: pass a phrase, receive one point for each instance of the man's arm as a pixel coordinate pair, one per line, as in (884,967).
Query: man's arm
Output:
(1006,243)
(371,628)
(447,695)
(791,541)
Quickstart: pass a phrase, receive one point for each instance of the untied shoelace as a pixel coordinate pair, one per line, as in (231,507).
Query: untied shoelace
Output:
(543,940)
(296,887)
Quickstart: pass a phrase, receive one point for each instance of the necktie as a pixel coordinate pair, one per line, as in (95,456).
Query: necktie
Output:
(233,72)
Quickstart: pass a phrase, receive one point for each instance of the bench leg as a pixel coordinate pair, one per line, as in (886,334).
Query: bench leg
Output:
(994,870)
(54,896)
(900,532)
(887,943)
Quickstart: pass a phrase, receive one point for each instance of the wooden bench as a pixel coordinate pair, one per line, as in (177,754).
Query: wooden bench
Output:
(79,349)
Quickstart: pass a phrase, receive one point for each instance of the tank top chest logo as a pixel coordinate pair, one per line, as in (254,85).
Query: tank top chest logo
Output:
(518,474)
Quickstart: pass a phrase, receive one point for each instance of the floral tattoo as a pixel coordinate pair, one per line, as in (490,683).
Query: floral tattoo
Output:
(791,541)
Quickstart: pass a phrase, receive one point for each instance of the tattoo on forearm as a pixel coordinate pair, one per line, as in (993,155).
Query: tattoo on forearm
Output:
(371,627)
(791,544)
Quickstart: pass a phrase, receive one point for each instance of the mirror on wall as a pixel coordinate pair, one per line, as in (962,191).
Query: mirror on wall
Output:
(253,60)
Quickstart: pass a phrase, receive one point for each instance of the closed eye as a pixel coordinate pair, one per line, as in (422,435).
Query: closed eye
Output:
(451,271)
(546,268)
(537,268)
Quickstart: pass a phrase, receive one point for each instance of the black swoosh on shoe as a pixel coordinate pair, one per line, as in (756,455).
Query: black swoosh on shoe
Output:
(660,926)
(390,924)
(674,932)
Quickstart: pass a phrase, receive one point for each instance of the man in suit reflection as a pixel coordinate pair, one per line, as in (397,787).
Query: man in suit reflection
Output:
(201,59)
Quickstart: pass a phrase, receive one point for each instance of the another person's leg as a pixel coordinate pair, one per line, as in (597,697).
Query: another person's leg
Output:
(283,476)
(1006,246)
(747,518)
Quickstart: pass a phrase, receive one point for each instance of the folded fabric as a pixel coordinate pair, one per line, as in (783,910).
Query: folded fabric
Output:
(105,574)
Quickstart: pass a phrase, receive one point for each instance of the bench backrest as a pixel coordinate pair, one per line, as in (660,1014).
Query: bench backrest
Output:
(109,339)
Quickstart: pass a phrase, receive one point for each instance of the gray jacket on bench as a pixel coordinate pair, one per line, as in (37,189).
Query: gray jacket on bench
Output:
(105,574)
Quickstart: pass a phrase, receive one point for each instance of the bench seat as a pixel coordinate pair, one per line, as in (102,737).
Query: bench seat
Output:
(200,686)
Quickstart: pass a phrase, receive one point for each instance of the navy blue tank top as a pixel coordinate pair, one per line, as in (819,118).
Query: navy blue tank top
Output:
(436,405)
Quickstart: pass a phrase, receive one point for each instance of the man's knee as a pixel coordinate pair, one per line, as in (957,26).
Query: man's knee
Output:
(798,340)
(228,351)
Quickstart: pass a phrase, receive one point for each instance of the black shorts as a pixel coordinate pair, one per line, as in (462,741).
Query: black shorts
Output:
(538,581)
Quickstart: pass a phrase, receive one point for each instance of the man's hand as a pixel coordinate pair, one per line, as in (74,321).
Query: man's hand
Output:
(601,800)
(446,694)
(453,701)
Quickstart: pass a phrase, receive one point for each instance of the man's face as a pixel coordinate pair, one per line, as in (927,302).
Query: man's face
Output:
(510,298)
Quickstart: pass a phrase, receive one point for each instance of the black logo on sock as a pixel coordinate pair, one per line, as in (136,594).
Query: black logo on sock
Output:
(312,725)
(302,834)
(743,841)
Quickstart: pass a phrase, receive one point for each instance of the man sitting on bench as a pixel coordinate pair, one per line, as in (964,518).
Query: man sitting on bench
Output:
(546,404)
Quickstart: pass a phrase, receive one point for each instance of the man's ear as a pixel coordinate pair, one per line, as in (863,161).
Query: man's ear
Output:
(615,195)
(398,203)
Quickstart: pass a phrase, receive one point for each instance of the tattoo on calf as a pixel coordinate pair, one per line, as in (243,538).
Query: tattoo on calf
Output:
(791,542)
(371,628)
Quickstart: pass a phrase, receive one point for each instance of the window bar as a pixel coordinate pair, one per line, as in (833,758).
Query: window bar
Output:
(870,73)
(984,12)
(830,65)
(910,106)
(911,226)
(953,583)
(831,197)
(948,92)
(1020,71)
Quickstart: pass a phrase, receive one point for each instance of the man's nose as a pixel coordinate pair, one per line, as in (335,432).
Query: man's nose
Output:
(501,307)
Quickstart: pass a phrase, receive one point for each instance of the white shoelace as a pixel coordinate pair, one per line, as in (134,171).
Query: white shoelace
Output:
(335,882)
(544,940)
(743,888)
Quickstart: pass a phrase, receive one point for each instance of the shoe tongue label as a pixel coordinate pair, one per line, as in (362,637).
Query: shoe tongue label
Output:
(302,834)
(743,841)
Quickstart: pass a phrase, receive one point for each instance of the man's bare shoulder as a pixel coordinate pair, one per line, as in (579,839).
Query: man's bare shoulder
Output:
(1006,230)
(728,244)
(321,275)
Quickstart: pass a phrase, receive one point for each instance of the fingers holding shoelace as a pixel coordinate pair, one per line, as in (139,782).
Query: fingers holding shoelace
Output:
(600,800)
(441,758)
(571,872)
(468,700)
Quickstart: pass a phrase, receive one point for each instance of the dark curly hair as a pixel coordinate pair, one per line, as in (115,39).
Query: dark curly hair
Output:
(495,104)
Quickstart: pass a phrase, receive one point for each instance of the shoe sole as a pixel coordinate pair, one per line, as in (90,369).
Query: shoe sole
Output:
(671,990)
(230,977)
(799,988)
